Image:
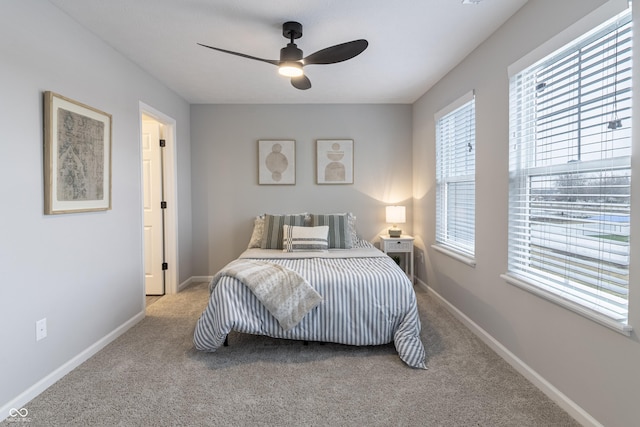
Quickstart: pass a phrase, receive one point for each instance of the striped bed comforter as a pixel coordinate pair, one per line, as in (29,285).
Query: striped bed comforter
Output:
(367,300)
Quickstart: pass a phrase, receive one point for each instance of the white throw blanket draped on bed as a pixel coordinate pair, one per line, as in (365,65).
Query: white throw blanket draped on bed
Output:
(286,294)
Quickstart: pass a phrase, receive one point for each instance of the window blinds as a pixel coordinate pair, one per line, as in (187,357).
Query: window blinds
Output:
(570,150)
(455,177)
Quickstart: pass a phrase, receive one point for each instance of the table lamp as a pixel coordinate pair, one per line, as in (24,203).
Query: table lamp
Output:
(396,215)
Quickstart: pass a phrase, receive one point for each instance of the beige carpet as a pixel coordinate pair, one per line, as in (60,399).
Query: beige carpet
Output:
(152,376)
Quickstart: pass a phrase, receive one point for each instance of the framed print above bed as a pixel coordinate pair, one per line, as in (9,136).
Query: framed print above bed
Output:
(276,162)
(334,161)
(77,156)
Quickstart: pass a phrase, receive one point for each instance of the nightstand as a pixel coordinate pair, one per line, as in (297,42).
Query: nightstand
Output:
(403,245)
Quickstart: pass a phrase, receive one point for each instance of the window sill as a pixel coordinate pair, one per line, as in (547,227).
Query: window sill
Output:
(601,319)
(455,255)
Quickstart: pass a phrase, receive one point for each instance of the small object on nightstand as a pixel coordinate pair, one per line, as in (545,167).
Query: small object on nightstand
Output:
(395,232)
(396,215)
(402,244)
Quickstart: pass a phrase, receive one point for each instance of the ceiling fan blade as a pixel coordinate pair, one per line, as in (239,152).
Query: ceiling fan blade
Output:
(269,61)
(302,82)
(337,53)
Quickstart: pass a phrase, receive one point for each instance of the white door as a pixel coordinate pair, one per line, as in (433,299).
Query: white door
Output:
(153,220)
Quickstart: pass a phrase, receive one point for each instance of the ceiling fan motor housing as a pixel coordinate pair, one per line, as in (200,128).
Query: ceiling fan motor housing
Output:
(290,53)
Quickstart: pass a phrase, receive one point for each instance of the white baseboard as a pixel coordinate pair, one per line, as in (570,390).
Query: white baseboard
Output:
(194,279)
(25,397)
(579,414)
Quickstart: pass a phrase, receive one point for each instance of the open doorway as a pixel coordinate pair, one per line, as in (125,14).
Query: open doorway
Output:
(157,142)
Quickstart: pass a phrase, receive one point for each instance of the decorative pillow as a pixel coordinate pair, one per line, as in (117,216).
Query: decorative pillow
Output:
(352,226)
(340,230)
(297,239)
(258,230)
(272,233)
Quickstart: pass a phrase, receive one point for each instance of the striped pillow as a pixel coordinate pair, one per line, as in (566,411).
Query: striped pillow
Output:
(296,239)
(272,233)
(340,229)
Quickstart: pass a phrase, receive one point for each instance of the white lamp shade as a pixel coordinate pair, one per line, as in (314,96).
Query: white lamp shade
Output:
(396,215)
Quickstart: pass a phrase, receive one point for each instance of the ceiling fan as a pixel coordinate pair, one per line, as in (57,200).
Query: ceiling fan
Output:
(291,60)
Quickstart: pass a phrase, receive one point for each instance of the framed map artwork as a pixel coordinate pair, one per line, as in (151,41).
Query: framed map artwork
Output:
(77,156)
(276,162)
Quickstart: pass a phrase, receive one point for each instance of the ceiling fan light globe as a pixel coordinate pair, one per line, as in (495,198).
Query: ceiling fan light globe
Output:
(290,69)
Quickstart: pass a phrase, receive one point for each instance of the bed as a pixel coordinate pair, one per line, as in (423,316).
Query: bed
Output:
(292,282)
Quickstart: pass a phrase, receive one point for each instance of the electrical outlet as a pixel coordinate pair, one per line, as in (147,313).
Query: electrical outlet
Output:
(41,329)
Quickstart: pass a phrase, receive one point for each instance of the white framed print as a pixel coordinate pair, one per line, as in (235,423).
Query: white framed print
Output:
(334,161)
(276,162)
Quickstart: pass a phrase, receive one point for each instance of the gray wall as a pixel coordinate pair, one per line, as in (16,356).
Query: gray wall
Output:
(226,194)
(83,271)
(599,369)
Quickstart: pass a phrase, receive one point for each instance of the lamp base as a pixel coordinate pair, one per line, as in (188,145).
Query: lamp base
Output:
(395,232)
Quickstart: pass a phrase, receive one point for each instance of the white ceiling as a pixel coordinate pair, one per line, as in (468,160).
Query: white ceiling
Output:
(412,44)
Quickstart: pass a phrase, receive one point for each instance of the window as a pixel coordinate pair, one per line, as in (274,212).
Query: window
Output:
(570,173)
(455,176)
